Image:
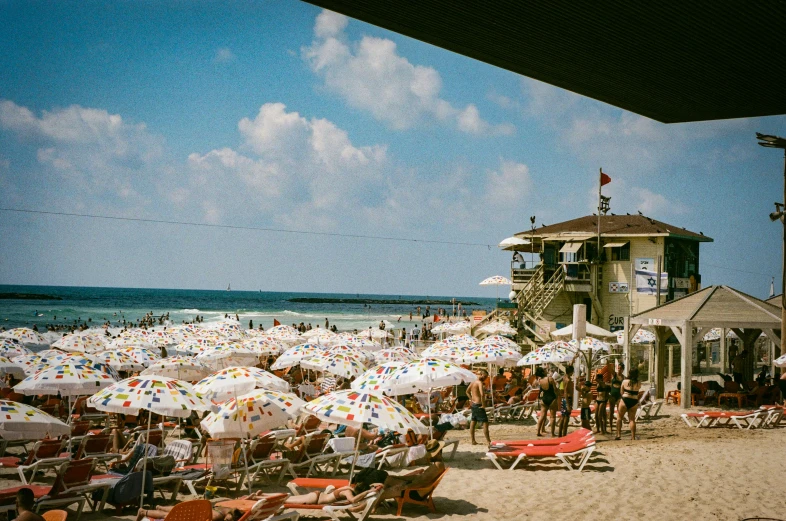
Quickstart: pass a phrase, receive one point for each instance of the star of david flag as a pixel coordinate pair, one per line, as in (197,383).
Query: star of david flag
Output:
(646,282)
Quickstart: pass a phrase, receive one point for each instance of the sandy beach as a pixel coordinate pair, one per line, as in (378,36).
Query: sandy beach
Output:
(671,472)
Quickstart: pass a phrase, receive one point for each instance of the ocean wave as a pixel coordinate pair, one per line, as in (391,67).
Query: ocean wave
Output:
(190,311)
(292,313)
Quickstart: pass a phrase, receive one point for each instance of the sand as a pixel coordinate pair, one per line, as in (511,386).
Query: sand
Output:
(671,472)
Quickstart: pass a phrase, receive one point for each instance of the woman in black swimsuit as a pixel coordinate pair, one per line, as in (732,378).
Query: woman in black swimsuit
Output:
(615,393)
(629,403)
(600,403)
(548,400)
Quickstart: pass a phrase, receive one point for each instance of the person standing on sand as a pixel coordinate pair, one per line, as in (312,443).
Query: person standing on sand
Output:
(566,392)
(629,402)
(548,400)
(477,401)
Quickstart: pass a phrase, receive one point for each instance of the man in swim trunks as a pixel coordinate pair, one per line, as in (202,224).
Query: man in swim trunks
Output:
(477,402)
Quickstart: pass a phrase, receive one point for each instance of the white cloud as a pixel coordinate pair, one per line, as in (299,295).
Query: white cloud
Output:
(370,75)
(508,186)
(223,55)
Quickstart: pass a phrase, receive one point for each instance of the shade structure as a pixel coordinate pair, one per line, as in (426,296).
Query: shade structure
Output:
(425,374)
(235,381)
(224,356)
(11,348)
(81,343)
(183,368)
(355,408)
(7,367)
(642,336)
(23,422)
(66,379)
(553,352)
(498,327)
(252,413)
(373,380)
(141,356)
(293,356)
(24,335)
(566,333)
(345,365)
(158,394)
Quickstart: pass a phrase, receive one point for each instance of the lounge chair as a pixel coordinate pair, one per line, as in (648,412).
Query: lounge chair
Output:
(743,420)
(419,495)
(314,458)
(774,416)
(73,484)
(260,463)
(55,515)
(647,411)
(97,447)
(362,508)
(573,453)
(194,510)
(46,454)
(262,510)
(578,434)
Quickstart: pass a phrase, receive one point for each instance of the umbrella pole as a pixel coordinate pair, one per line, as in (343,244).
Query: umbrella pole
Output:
(430,423)
(70,412)
(357,452)
(144,459)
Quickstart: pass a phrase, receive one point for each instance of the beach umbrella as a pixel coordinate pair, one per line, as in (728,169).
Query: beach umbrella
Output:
(566,333)
(223,356)
(183,368)
(355,408)
(80,343)
(373,380)
(496,280)
(118,360)
(394,355)
(292,356)
(10,348)
(193,346)
(66,379)
(345,365)
(264,346)
(374,332)
(712,336)
(235,381)
(512,243)
(497,339)
(554,352)
(252,413)
(49,353)
(24,335)
(91,361)
(427,373)
(141,356)
(23,422)
(587,343)
(318,331)
(31,364)
(359,342)
(364,356)
(491,354)
(157,394)
(780,361)
(498,327)
(642,336)
(8,367)
(125,343)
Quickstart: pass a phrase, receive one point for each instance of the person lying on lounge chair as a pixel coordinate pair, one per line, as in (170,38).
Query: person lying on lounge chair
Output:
(363,486)
(394,486)
(219,513)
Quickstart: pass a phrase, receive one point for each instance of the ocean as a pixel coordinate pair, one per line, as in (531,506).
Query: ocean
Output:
(98,305)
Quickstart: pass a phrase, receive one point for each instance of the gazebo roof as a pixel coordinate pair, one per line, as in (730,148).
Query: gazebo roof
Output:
(713,306)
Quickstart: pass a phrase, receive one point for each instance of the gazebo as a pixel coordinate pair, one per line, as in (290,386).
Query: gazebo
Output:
(692,316)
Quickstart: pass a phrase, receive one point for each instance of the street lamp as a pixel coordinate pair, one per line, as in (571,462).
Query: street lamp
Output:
(779,213)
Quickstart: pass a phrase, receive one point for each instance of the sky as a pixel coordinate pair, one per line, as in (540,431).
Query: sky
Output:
(282,116)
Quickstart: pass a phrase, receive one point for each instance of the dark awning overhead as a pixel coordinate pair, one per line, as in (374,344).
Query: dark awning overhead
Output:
(672,61)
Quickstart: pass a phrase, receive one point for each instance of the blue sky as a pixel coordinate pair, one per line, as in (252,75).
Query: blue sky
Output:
(280,115)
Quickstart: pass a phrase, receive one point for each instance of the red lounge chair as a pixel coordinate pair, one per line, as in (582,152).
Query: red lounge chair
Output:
(46,454)
(314,484)
(99,447)
(424,495)
(263,509)
(743,420)
(574,454)
(366,505)
(578,434)
(194,510)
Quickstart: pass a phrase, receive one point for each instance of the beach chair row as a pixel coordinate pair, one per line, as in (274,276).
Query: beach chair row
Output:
(766,417)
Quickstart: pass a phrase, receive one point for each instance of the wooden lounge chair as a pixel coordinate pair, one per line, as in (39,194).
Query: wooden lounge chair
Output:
(46,454)
(420,495)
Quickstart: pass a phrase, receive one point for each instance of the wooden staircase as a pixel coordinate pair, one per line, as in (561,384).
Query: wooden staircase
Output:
(535,297)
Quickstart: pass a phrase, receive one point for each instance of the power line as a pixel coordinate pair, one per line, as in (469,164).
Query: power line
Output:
(248,228)
(735,269)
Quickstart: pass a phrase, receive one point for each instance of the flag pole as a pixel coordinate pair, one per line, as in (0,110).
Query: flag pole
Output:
(598,267)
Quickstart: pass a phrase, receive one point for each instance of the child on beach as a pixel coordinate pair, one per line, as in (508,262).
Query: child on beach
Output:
(585,398)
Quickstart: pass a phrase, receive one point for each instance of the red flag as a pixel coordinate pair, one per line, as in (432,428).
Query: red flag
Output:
(276,322)
(604,179)
(436,318)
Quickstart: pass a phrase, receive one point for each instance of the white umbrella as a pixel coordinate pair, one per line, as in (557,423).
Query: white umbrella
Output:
(293,356)
(780,361)
(427,373)
(24,335)
(642,336)
(9,367)
(22,422)
(553,352)
(235,381)
(183,368)
(157,394)
(374,379)
(512,243)
(252,413)
(221,357)
(10,348)
(81,343)
(345,365)
(66,379)
(498,327)
(496,280)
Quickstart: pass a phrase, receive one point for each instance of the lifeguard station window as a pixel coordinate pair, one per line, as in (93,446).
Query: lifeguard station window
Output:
(618,251)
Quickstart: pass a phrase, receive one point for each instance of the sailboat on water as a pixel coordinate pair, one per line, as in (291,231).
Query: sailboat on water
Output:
(229,287)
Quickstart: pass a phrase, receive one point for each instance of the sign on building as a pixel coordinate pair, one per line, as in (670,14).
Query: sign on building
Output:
(619,287)
(647,276)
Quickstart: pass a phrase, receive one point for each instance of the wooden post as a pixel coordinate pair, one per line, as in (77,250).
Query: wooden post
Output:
(626,343)
(708,355)
(658,380)
(724,353)
(687,364)
(670,369)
